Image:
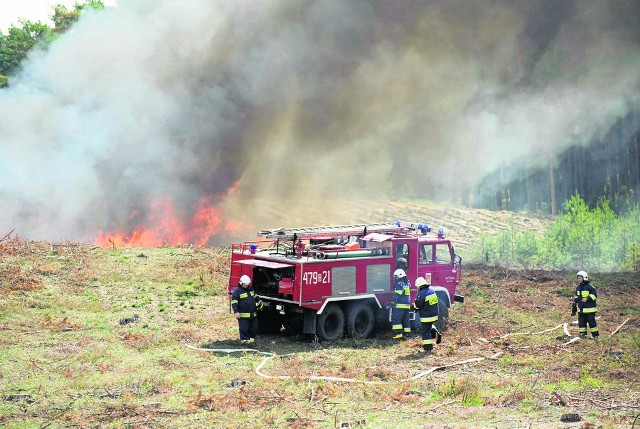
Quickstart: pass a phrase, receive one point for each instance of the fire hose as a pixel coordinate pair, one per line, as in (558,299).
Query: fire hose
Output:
(271,355)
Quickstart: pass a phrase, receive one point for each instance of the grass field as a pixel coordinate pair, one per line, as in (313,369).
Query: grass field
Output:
(97,337)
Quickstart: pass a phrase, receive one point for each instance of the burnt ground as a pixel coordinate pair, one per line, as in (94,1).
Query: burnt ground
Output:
(95,337)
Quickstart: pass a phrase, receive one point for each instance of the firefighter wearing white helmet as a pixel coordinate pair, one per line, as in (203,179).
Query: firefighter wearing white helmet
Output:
(584,304)
(426,303)
(245,308)
(400,320)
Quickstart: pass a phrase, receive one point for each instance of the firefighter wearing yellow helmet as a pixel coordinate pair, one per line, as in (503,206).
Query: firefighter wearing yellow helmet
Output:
(426,303)
(245,308)
(584,303)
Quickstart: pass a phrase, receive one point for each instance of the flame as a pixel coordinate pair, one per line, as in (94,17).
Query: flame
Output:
(164,227)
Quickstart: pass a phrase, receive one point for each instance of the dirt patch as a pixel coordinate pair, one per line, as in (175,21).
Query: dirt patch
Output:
(240,398)
(62,324)
(14,279)
(135,340)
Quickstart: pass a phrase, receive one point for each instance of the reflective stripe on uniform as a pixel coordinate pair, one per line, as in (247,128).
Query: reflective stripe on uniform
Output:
(396,327)
(431,299)
(585,293)
(407,329)
(248,315)
(428,319)
(427,342)
(399,292)
(403,306)
(243,295)
(589,310)
(592,296)
(234,301)
(594,329)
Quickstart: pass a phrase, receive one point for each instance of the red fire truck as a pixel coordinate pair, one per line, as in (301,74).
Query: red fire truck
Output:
(331,280)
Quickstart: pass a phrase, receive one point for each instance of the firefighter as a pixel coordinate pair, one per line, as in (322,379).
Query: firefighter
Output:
(584,304)
(401,264)
(245,308)
(426,303)
(400,322)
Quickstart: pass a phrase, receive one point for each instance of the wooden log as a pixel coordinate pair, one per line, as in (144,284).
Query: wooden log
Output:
(618,328)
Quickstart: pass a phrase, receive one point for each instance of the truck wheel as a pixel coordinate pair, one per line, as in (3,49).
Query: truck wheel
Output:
(360,320)
(269,322)
(443,317)
(330,324)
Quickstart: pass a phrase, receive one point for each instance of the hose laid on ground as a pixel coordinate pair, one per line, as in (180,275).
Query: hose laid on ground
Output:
(228,350)
(327,378)
(270,355)
(565,329)
(563,326)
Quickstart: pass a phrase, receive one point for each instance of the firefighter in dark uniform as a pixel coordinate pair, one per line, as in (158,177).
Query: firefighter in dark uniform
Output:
(400,322)
(402,264)
(426,303)
(584,304)
(245,308)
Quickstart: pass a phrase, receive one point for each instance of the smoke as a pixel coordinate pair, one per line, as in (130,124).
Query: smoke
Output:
(307,103)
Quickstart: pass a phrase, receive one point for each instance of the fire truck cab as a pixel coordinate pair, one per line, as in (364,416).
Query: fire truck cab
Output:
(328,281)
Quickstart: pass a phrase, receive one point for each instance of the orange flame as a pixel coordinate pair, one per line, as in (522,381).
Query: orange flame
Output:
(163,227)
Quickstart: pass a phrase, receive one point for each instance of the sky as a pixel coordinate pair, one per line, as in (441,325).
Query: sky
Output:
(33,10)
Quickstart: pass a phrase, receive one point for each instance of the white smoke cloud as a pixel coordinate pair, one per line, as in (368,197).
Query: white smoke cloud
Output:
(311,101)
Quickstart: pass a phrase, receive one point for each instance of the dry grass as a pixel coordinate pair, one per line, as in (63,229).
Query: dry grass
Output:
(100,343)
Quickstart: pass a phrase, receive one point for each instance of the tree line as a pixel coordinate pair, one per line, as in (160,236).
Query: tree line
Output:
(26,35)
(608,167)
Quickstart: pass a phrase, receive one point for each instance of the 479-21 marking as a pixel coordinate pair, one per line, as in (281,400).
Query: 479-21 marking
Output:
(315,277)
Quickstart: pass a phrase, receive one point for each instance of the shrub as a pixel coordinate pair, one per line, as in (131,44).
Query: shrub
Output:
(581,237)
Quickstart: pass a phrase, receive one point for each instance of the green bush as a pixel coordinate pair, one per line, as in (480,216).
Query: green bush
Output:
(581,237)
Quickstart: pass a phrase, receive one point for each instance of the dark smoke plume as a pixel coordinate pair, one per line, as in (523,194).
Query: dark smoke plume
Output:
(300,102)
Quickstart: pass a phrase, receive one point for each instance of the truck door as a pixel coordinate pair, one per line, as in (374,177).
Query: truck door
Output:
(437,259)
(444,271)
(406,249)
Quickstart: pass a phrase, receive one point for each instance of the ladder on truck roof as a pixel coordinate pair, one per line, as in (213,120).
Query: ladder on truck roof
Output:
(341,230)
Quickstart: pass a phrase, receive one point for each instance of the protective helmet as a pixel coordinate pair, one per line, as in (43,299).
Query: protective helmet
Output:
(245,280)
(399,273)
(583,274)
(421,281)
(401,260)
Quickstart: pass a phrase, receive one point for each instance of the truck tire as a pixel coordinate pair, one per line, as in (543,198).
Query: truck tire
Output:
(330,323)
(360,320)
(443,317)
(269,322)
